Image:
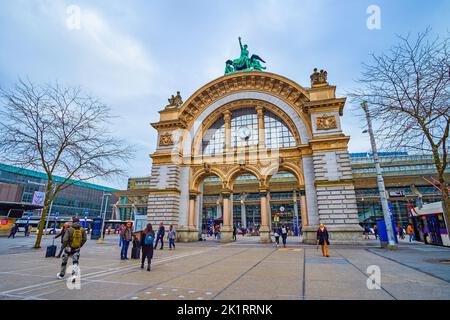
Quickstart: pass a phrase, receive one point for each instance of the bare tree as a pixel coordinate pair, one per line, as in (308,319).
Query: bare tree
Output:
(61,131)
(408,93)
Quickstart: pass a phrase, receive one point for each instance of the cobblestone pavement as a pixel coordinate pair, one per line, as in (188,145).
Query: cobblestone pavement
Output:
(241,270)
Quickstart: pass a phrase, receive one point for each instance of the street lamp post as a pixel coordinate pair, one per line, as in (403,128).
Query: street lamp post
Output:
(382,190)
(101,239)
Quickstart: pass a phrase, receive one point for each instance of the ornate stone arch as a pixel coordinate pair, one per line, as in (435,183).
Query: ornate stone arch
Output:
(276,90)
(200,173)
(289,91)
(295,168)
(236,105)
(238,170)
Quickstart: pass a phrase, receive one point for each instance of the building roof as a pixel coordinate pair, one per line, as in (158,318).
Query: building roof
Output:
(41,175)
(428,208)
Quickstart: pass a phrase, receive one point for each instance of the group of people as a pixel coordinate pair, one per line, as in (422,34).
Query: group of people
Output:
(73,238)
(409,232)
(15,229)
(400,231)
(322,237)
(283,232)
(146,240)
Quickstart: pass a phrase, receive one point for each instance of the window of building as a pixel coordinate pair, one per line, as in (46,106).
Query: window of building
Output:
(244,132)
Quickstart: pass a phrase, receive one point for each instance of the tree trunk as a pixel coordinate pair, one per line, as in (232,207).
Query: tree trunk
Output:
(445,201)
(37,244)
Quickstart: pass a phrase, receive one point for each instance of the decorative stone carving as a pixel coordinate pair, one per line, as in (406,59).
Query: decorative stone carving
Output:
(175,101)
(319,78)
(326,122)
(166,140)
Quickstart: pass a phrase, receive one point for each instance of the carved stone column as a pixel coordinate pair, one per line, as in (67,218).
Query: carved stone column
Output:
(226,233)
(192,200)
(243,212)
(191,233)
(227,119)
(304,211)
(261,130)
(264,230)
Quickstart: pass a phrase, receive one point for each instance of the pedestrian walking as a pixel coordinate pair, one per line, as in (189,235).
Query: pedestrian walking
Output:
(234,232)
(61,234)
(135,250)
(410,232)
(14,230)
(366,233)
(400,232)
(119,230)
(375,231)
(276,234)
(127,235)
(323,240)
(25,230)
(73,240)
(148,237)
(171,236)
(160,236)
(284,233)
(216,231)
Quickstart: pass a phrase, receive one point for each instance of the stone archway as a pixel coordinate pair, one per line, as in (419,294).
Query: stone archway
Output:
(318,159)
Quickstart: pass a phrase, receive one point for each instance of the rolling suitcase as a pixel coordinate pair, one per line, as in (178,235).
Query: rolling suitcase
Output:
(51,250)
(135,253)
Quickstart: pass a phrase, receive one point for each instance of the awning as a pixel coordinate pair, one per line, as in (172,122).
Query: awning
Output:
(427,209)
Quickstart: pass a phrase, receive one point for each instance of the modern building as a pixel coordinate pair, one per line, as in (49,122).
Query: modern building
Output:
(80,199)
(408,180)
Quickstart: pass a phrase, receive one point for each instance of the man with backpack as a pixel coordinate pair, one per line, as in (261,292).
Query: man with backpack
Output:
(74,238)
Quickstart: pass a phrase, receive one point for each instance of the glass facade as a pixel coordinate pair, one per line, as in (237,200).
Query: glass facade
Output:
(277,134)
(409,172)
(244,132)
(76,200)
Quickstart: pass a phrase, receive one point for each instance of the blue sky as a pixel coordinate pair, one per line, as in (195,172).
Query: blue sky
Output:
(135,54)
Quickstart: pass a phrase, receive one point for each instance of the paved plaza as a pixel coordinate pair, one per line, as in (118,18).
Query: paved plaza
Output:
(241,270)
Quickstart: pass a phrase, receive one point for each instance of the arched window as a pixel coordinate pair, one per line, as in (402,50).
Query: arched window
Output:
(244,132)
(277,134)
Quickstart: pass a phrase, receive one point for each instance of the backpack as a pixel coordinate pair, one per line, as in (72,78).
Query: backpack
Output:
(77,236)
(149,239)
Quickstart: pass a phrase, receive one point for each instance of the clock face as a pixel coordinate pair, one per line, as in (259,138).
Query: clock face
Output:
(244,133)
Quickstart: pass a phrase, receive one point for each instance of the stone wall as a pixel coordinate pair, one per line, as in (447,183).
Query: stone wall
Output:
(332,166)
(163,207)
(165,176)
(337,205)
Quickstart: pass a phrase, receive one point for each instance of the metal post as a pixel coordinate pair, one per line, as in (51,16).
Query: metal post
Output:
(296,222)
(101,238)
(380,181)
(48,217)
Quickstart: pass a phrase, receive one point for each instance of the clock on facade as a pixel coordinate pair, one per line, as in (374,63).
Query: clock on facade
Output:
(244,133)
